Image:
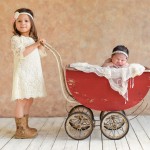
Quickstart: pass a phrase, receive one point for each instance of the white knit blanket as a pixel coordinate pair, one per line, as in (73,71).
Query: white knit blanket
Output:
(117,77)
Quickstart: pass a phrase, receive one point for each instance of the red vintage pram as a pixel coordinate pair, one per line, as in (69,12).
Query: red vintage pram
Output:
(94,92)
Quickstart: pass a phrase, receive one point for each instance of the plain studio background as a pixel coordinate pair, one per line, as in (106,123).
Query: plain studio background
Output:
(81,31)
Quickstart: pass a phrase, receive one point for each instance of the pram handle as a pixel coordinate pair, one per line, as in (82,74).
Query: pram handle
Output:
(68,96)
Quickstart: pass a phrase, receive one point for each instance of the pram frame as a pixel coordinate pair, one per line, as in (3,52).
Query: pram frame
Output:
(80,121)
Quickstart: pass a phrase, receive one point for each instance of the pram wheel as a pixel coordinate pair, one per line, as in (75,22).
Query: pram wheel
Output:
(105,112)
(78,125)
(81,108)
(114,125)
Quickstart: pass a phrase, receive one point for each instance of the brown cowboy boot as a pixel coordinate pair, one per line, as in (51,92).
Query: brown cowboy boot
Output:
(22,132)
(32,129)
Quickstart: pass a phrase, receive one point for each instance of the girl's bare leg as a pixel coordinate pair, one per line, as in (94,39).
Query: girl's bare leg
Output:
(27,106)
(19,110)
(26,114)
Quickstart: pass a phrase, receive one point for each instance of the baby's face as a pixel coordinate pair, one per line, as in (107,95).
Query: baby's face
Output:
(119,59)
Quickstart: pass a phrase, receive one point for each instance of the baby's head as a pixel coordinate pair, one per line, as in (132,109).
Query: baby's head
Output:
(120,56)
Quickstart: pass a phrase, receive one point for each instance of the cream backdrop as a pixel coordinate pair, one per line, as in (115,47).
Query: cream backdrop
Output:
(81,31)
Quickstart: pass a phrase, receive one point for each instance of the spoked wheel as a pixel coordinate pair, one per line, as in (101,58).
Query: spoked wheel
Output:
(114,125)
(105,112)
(81,108)
(79,125)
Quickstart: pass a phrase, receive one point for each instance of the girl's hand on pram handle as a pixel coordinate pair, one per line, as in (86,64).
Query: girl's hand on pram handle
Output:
(42,41)
(41,48)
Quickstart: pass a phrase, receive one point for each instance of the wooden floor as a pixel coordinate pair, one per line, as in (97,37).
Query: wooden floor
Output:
(52,136)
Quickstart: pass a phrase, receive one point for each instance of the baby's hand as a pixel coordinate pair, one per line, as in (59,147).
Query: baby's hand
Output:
(108,60)
(147,68)
(109,64)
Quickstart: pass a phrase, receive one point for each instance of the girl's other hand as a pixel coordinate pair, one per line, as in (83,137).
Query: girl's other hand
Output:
(42,41)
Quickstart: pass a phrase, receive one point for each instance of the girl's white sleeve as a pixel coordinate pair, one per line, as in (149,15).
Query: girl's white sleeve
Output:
(17,47)
(42,52)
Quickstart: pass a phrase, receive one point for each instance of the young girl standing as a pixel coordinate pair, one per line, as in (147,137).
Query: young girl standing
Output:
(28,82)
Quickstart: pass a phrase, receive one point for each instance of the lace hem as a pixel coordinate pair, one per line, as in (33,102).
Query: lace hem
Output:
(28,97)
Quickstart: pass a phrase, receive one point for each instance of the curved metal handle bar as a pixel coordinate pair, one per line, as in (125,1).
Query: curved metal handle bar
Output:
(64,88)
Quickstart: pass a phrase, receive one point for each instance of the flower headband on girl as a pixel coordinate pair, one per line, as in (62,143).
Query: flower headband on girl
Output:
(16,15)
(121,52)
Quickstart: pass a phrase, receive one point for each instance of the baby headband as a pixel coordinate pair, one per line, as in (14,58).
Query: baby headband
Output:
(17,15)
(121,52)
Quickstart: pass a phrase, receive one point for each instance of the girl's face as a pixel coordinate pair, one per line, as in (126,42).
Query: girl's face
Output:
(119,60)
(23,24)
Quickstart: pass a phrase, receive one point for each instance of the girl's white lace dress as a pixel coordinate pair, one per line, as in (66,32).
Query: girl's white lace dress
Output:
(28,81)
